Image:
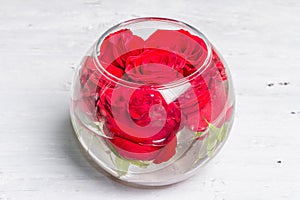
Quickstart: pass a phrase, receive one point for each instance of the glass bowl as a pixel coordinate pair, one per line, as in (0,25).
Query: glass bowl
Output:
(152,101)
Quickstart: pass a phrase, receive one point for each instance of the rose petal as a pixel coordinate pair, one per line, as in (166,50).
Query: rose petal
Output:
(182,43)
(118,46)
(167,152)
(134,151)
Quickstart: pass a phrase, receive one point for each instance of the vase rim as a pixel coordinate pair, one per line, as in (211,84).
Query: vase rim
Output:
(173,22)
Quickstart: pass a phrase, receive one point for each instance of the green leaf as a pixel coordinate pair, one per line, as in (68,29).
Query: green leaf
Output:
(198,134)
(215,136)
(223,132)
(211,152)
(212,139)
(141,164)
(122,166)
(213,129)
(211,144)
(202,152)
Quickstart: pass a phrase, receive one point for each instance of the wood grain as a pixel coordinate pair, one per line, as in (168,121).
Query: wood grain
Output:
(41,42)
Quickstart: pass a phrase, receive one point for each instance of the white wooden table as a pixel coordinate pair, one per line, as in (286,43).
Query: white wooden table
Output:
(41,42)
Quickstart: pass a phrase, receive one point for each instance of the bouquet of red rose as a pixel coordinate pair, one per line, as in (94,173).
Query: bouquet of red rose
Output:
(150,100)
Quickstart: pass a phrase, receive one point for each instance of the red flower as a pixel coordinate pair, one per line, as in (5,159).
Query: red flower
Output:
(116,48)
(216,69)
(195,104)
(140,122)
(155,66)
(182,43)
(89,78)
(204,102)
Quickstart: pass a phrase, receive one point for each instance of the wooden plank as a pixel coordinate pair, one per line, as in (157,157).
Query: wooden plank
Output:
(41,42)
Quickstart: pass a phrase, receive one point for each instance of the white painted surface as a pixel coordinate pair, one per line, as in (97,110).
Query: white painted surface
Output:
(42,41)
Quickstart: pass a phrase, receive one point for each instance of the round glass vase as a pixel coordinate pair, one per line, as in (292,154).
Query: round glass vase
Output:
(152,101)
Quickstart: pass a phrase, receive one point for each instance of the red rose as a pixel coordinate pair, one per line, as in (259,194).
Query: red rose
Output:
(88,81)
(182,43)
(216,69)
(211,97)
(195,104)
(155,66)
(116,48)
(142,123)
(219,65)
(92,83)
(89,77)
